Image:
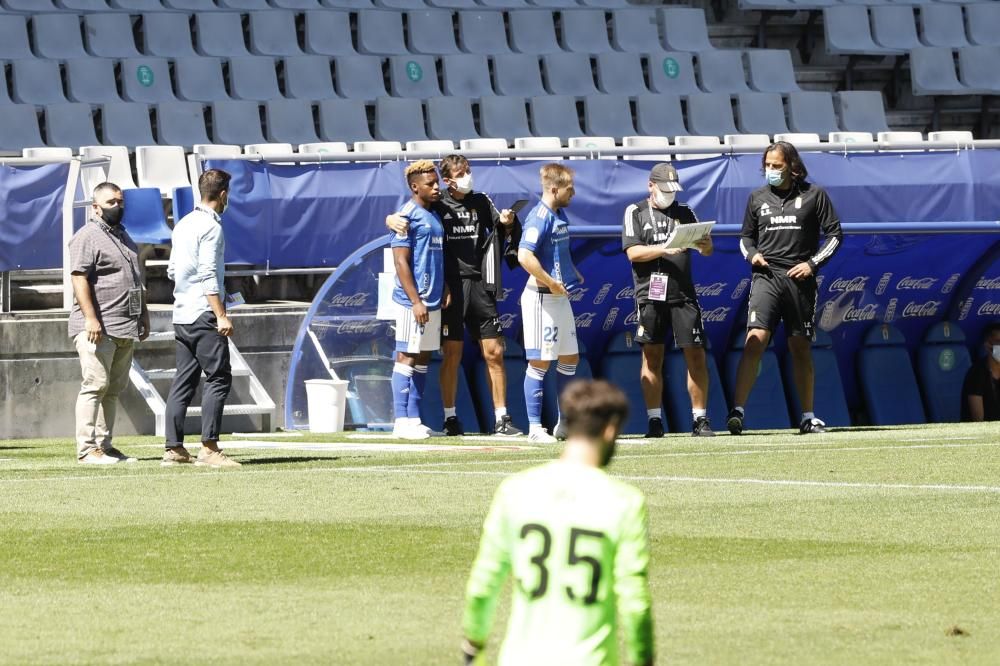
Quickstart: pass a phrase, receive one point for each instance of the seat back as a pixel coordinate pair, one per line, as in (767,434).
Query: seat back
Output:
(887,380)
(359,77)
(982,23)
(660,115)
(272,33)
(721,71)
(70,125)
(58,36)
(413,76)
(533,31)
(467,75)
(430,32)
(812,112)
(290,121)
(977,67)
(771,70)
(450,118)
(120,169)
(182,201)
(220,34)
(862,111)
(932,71)
(672,72)
(126,124)
(711,114)
(504,117)
(647,142)
(685,29)
(343,120)
(482,32)
(622,365)
(585,31)
(518,75)
(942,25)
(608,115)
(763,113)
(829,401)
(895,27)
(309,77)
(620,74)
(162,167)
(109,35)
(942,362)
(635,30)
(181,123)
(146,80)
(381,33)
(144,218)
(328,33)
(14,37)
(253,78)
(199,79)
(167,35)
(555,115)
(399,119)
(568,74)
(236,122)
(36,81)
(847,31)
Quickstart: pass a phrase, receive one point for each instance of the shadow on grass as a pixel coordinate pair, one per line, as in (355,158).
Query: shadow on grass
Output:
(285,460)
(17,448)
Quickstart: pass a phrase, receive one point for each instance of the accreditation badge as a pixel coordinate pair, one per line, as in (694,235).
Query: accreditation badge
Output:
(658,287)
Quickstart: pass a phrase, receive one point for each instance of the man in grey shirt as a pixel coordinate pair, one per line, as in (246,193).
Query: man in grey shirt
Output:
(108,316)
(201,324)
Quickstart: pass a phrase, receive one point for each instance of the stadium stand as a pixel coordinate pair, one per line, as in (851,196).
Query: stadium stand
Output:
(886,377)
(942,361)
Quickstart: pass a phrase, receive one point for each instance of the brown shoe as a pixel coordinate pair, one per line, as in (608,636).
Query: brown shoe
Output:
(97,457)
(214,459)
(176,455)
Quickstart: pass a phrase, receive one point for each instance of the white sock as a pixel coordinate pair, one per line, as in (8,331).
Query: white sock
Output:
(500,412)
(449,412)
(739,408)
(807,416)
(654,413)
(697,413)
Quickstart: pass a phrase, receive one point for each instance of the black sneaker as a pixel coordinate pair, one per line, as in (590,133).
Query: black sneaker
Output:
(453,427)
(702,428)
(505,427)
(655,428)
(735,422)
(812,426)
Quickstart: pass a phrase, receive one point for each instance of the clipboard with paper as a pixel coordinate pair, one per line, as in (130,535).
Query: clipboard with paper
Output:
(684,236)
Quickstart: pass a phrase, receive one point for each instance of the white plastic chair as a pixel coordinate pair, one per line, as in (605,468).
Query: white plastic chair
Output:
(162,167)
(647,142)
(752,142)
(537,143)
(887,139)
(120,170)
(440,146)
(696,142)
(604,145)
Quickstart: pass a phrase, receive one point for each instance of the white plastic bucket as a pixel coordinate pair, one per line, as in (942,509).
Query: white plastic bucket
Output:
(327,400)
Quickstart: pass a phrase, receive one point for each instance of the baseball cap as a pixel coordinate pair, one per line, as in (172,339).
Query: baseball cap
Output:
(664,175)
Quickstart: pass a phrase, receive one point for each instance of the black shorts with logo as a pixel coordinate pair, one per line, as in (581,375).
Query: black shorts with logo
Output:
(471,307)
(776,297)
(656,319)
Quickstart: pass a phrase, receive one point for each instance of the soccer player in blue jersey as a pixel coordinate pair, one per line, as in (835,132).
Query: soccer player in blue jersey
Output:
(549,327)
(419,293)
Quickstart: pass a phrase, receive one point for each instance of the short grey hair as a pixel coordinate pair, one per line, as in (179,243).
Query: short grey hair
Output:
(103,187)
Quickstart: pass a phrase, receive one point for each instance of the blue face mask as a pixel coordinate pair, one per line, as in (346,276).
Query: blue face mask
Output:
(774,177)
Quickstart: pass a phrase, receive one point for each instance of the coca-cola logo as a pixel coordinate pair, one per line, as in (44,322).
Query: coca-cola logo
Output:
(989,308)
(504,293)
(632,319)
(988,283)
(716,314)
(713,289)
(577,295)
(349,300)
(928,309)
(628,293)
(916,283)
(844,285)
(585,320)
(356,327)
(507,320)
(864,313)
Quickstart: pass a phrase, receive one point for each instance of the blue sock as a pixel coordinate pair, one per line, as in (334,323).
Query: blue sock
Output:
(533,382)
(417,383)
(401,374)
(565,372)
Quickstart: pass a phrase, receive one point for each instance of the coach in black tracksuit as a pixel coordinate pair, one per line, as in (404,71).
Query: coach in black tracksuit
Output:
(781,241)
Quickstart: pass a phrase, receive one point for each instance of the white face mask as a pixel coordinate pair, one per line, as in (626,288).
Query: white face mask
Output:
(996,353)
(464,184)
(663,200)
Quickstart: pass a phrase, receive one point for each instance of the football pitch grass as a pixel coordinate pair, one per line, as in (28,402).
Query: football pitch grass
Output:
(862,546)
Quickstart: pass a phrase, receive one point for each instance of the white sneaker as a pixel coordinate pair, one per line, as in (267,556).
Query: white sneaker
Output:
(417,425)
(540,436)
(408,431)
(98,458)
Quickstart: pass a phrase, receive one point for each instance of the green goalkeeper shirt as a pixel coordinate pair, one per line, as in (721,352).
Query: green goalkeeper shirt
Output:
(576,543)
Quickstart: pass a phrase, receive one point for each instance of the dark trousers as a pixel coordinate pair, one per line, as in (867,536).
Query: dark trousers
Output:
(200,348)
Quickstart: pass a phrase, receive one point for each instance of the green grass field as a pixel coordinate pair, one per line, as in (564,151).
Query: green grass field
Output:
(856,547)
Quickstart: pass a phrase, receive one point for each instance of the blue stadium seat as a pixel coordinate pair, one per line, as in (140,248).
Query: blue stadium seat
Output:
(144,217)
(518,75)
(608,115)
(982,23)
(182,201)
(136,6)
(482,32)
(381,33)
(272,33)
(635,30)
(721,71)
(942,25)
(977,68)
(220,34)
(431,32)
(413,76)
(450,118)
(236,122)
(504,4)
(309,77)
(760,113)
(146,80)
(359,77)
(847,31)
(19,127)
(14,37)
(932,72)
(678,402)
(894,27)
(710,114)
(514,365)
(585,31)
(70,125)
(621,365)
(453,4)
(58,36)
(192,5)
(36,81)
(109,35)
(200,79)
(672,72)
(886,377)
(568,74)
(181,124)
(503,117)
(83,6)
(829,402)
(399,119)
(328,33)
(91,80)
(31,6)
(812,111)
(555,115)
(606,4)
(942,362)
(296,4)
(620,74)
(862,111)
(771,70)
(343,120)
(126,124)
(467,75)
(555,4)
(685,29)
(432,407)
(167,35)
(290,121)
(659,115)
(766,407)
(533,31)
(253,78)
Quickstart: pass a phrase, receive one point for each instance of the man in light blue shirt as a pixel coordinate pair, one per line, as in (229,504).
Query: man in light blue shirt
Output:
(201,324)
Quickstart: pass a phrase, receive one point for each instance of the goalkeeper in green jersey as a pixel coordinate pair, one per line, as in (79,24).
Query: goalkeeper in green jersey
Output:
(575,541)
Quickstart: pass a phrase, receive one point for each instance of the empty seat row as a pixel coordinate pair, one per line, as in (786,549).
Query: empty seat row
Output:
(453,118)
(933,72)
(85,6)
(282,33)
